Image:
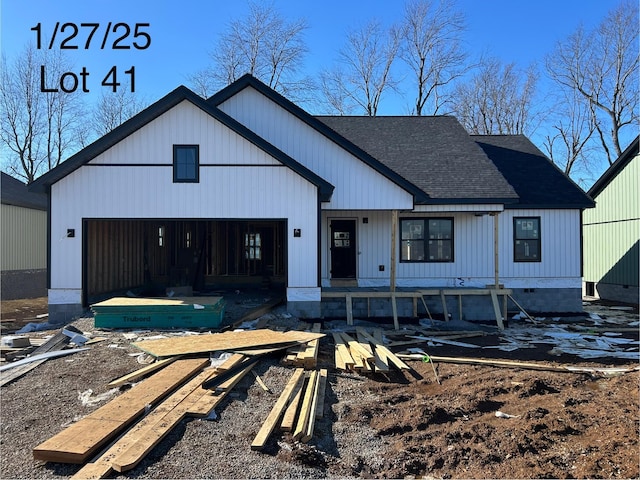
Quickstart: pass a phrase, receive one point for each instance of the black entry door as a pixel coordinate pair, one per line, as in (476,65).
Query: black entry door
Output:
(343,249)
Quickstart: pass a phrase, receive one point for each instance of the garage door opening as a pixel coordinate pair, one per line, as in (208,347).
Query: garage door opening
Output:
(150,256)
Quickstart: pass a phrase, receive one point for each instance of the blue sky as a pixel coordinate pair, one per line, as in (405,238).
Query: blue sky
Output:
(183,32)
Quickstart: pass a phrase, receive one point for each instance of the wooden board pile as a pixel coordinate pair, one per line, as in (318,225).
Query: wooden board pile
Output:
(297,408)
(306,354)
(138,419)
(365,354)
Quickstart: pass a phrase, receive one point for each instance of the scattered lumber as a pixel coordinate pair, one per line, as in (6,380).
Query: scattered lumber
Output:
(382,350)
(133,376)
(523,365)
(226,341)
(58,342)
(322,388)
(276,412)
(291,413)
(132,447)
(307,408)
(78,442)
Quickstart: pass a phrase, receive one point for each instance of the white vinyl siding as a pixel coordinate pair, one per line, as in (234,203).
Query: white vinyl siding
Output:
(473,264)
(24,238)
(560,245)
(237,181)
(357,186)
(184,124)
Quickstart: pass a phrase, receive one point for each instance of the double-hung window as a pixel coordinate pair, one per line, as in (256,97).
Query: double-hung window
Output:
(426,239)
(186,164)
(526,239)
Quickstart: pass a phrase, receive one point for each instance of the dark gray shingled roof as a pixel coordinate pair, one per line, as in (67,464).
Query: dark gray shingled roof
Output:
(537,180)
(436,154)
(14,192)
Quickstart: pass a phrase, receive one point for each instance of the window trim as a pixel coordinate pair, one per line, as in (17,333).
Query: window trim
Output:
(425,239)
(176,147)
(539,240)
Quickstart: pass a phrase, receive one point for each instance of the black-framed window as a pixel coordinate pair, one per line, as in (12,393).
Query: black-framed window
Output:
(527,246)
(186,164)
(426,239)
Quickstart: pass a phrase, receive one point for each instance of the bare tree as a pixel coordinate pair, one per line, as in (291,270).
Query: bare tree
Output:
(432,48)
(364,73)
(113,108)
(263,44)
(38,128)
(496,100)
(602,66)
(572,129)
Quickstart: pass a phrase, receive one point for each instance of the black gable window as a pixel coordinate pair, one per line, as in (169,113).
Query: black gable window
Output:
(186,164)
(526,239)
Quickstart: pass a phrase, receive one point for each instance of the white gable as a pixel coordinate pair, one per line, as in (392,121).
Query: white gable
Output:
(357,185)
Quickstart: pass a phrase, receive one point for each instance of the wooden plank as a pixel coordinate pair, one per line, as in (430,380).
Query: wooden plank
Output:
(394,227)
(233,341)
(276,412)
(322,388)
(445,312)
(311,417)
(157,422)
(78,442)
(256,312)
(145,435)
(496,309)
(206,400)
(101,468)
(307,405)
(385,352)
(355,346)
(142,372)
(349,306)
(161,421)
(290,414)
(394,308)
(343,351)
(157,302)
(523,365)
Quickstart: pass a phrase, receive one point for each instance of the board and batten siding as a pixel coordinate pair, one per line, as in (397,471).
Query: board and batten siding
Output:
(357,185)
(237,181)
(24,238)
(561,245)
(474,261)
(612,231)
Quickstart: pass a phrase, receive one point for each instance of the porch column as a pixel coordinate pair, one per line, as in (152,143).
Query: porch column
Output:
(496,253)
(394,228)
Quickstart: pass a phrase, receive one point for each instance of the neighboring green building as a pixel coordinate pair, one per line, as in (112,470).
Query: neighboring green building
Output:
(23,238)
(612,232)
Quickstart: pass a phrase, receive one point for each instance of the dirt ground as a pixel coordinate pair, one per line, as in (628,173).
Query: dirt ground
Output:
(400,425)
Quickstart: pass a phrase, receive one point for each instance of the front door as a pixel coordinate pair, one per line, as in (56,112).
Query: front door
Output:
(343,249)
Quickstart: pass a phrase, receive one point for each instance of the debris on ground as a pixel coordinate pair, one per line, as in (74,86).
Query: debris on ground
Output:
(463,407)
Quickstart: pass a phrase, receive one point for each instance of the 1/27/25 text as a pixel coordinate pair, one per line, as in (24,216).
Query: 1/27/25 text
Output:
(115,36)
